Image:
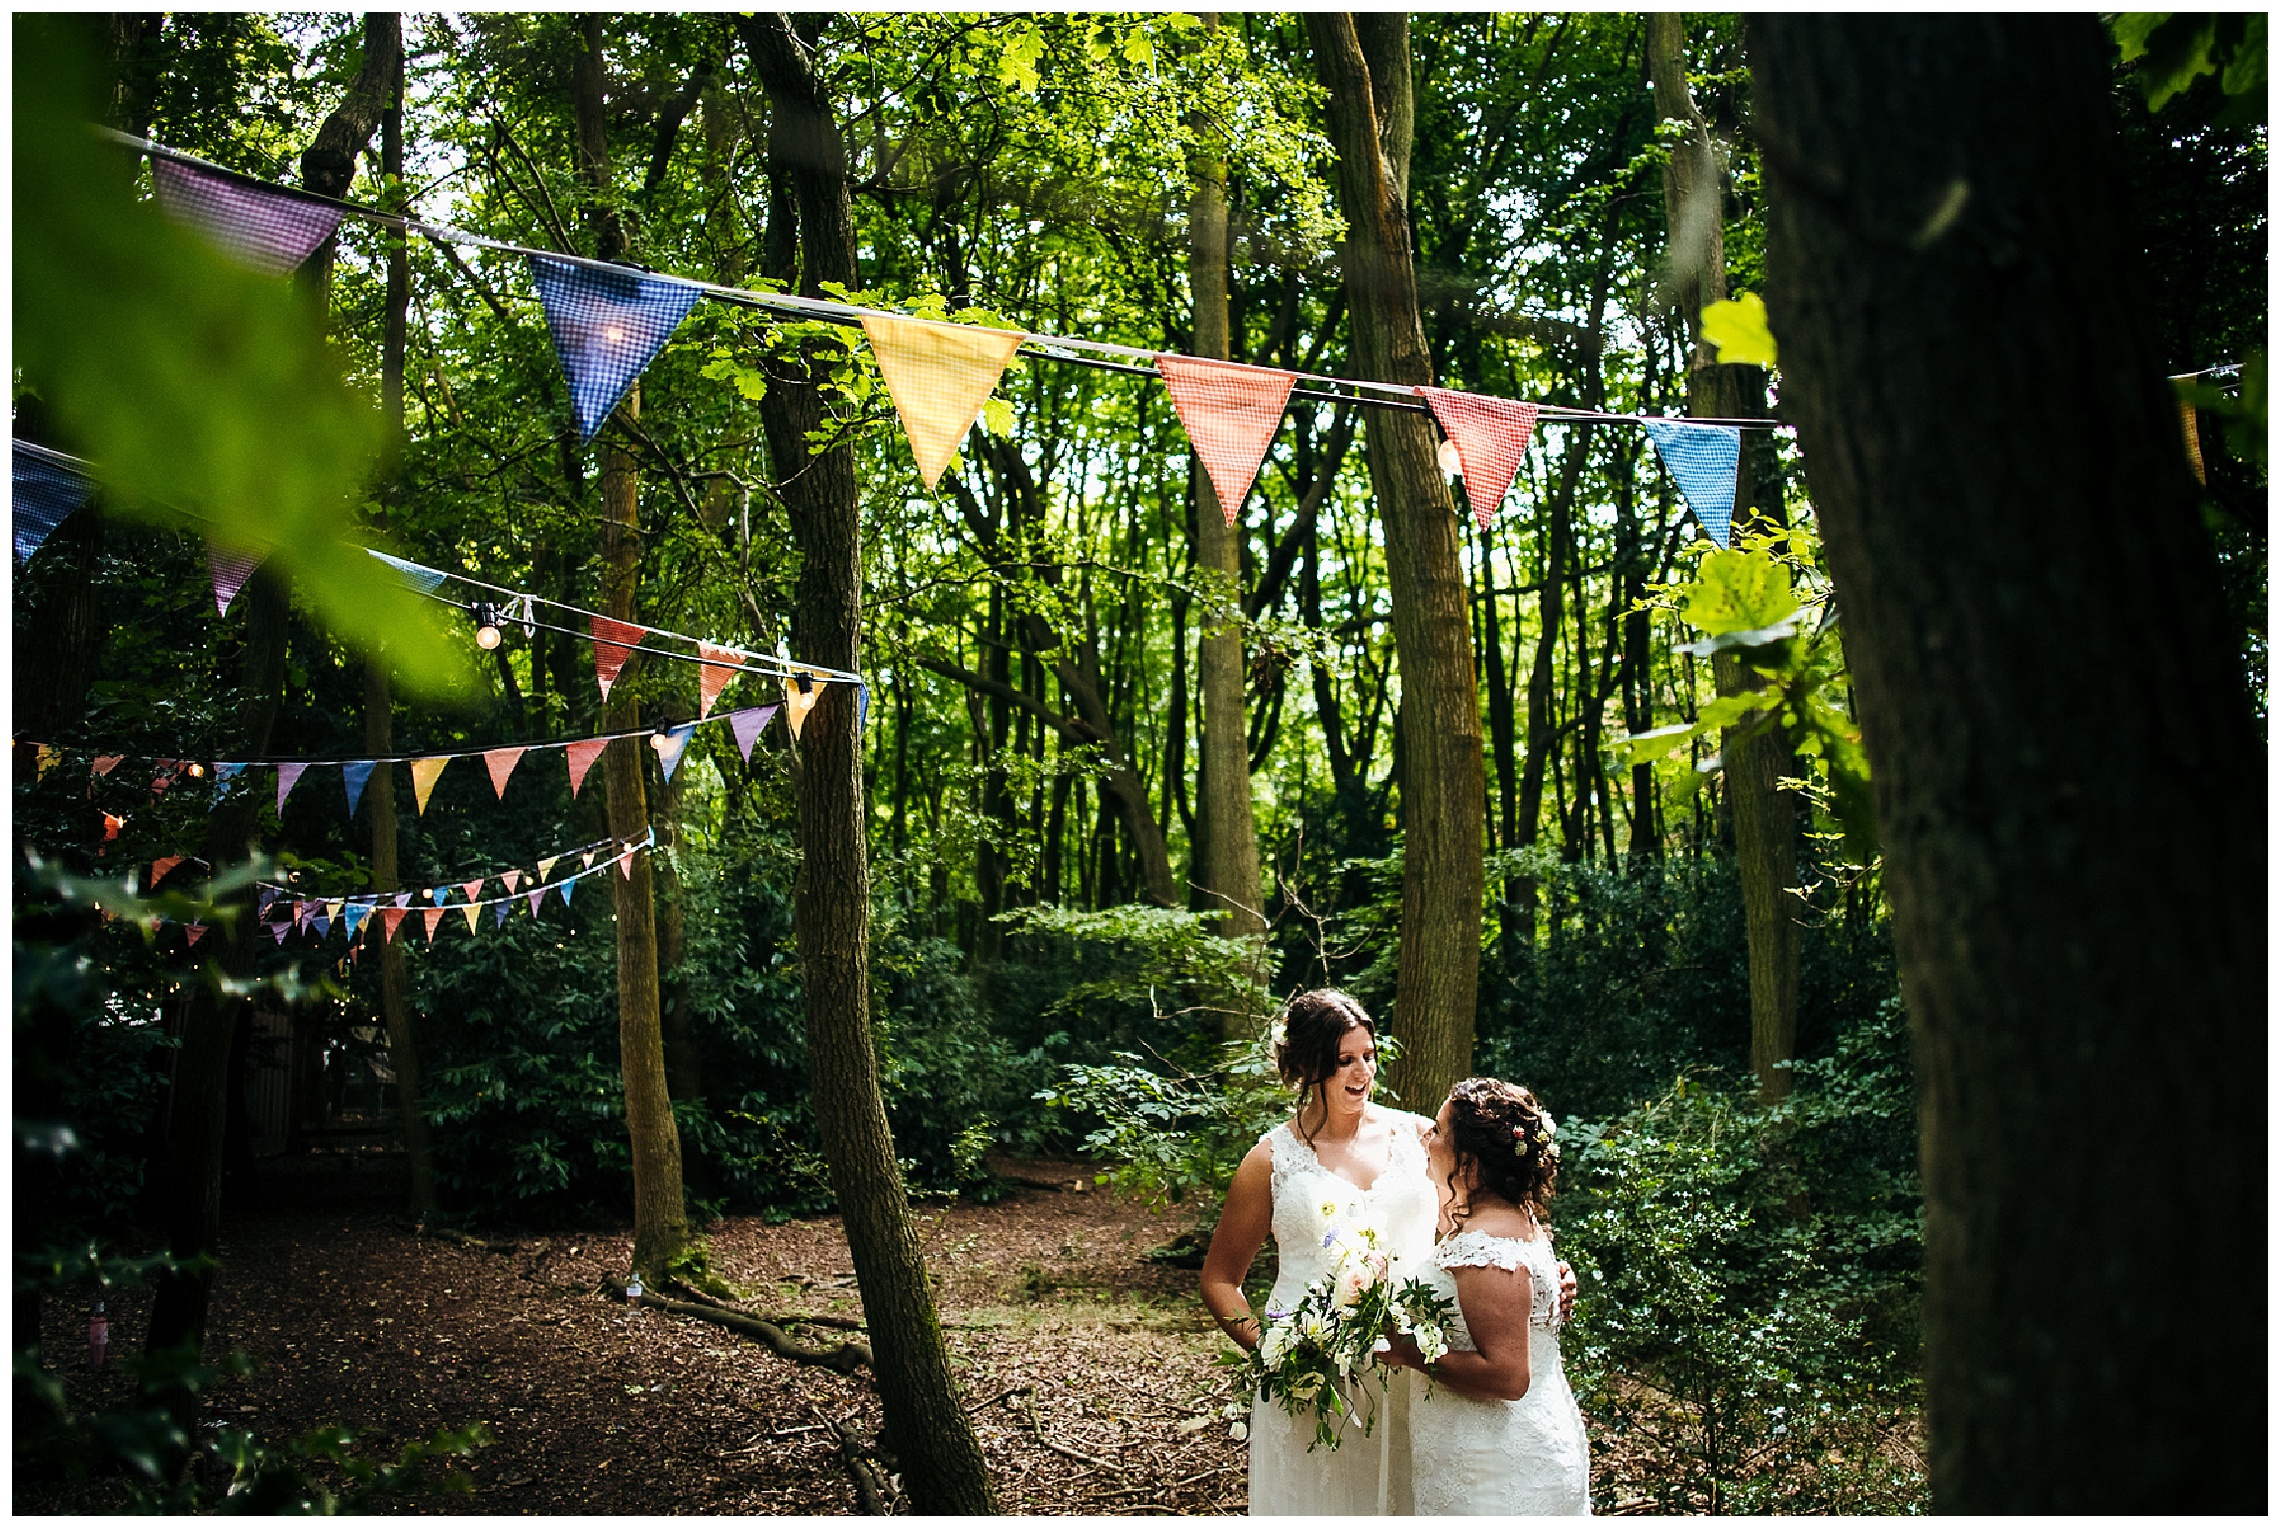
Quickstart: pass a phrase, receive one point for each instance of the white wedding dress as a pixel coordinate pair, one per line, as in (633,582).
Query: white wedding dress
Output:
(1363,1475)
(1525,1458)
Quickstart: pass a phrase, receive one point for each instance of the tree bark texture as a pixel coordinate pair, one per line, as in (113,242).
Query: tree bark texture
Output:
(1755,758)
(1228,867)
(941,1459)
(2067,778)
(1442,787)
(660,1211)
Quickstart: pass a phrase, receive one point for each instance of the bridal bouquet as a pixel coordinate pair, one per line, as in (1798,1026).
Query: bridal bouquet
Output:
(1306,1355)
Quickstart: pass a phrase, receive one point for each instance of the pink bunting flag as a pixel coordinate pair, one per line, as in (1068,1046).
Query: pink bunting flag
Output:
(625,864)
(589,856)
(231,570)
(582,756)
(746,724)
(537,895)
(501,763)
(1231,413)
(167,772)
(192,933)
(403,899)
(103,765)
(719,667)
(434,916)
(1491,435)
(159,867)
(472,889)
(288,776)
(614,642)
(510,879)
(391,919)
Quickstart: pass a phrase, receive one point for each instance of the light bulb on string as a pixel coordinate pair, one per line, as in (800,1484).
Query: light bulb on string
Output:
(657,741)
(486,625)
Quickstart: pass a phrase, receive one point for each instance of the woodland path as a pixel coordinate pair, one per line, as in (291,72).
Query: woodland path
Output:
(352,1318)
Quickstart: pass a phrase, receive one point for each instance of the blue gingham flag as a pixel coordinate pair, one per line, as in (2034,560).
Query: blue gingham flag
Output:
(44,492)
(608,325)
(1702,458)
(270,230)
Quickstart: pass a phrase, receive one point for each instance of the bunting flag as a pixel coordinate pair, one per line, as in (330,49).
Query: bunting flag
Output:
(43,494)
(746,724)
(510,879)
(223,775)
(614,642)
(1231,414)
(565,888)
(403,899)
(391,919)
(159,867)
(503,906)
(267,229)
(1703,460)
(353,915)
(231,570)
(719,667)
(674,742)
(103,764)
(939,375)
(353,778)
(625,864)
(799,700)
(423,580)
(278,931)
(473,912)
(589,858)
(288,776)
(425,773)
(111,826)
(1491,435)
(439,895)
(192,933)
(334,906)
(546,865)
(501,763)
(537,895)
(608,325)
(320,924)
(168,771)
(581,757)
(472,890)
(434,916)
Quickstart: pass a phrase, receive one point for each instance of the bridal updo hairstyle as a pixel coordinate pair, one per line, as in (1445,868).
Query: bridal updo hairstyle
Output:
(1500,1126)
(1313,1026)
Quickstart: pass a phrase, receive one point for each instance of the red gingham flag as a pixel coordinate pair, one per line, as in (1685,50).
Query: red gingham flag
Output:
(1231,413)
(614,642)
(1491,435)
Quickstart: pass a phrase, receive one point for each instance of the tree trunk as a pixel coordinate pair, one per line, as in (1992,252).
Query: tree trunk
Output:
(2067,777)
(1443,793)
(197,1114)
(941,1459)
(1765,816)
(379,718)
(660,1210)
(1227,869)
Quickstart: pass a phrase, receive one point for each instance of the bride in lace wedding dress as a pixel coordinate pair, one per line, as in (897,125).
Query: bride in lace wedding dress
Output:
(1500,1432)
(1345,1160)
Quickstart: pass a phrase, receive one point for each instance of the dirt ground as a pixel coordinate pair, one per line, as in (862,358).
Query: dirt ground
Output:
(1088,1369)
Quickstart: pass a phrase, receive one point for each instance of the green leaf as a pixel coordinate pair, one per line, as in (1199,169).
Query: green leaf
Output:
(997,417)
(1738,328)
(1738,591)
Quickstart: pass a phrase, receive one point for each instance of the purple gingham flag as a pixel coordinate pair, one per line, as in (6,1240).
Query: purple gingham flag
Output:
(1702,459)
(44,491)
(231,570)
(272,231)
(608,325)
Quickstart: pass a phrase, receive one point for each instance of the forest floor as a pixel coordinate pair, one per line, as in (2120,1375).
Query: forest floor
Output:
(1088,1369)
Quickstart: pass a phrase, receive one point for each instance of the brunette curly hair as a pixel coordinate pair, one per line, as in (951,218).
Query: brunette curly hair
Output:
(1500,1126)
(1313,1026)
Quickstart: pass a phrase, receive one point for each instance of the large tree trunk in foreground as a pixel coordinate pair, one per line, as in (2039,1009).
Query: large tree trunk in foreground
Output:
(1227,869)
(1756,758)
(660,1210)
(932,1439)
(1442,787)
(2066,774)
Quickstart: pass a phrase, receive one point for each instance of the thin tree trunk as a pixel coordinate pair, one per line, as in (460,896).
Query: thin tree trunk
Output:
(1755,759)
(2068,779)
(660,1209)
(941,1459)
(1227,869)
(1442,787)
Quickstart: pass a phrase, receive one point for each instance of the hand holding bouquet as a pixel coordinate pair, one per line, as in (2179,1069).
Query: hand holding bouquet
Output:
(1307,1356)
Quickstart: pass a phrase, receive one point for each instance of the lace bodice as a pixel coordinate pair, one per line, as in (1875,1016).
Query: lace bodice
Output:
(1478,1249)
(1312,1203)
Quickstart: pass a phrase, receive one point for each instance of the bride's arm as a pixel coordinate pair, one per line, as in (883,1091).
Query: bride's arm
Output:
(1243,1227)
(1495,1302)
